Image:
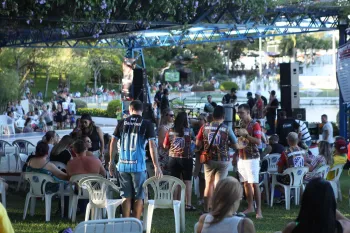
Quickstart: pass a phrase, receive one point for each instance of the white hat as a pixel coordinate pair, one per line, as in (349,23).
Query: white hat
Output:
(258,93)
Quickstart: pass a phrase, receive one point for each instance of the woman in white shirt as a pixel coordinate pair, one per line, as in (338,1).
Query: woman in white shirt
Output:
(222,217)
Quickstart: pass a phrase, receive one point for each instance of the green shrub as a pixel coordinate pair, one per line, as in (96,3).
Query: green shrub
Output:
(197,88)
(208,87)
(114,107)
(222,77)
(92,112)
(80,104)
(227,86)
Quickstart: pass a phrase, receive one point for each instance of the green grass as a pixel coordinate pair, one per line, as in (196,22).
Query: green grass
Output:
(275,218)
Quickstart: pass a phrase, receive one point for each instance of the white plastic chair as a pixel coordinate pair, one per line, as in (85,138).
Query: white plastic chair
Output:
(296,176)
(81,193)
(98,188)
(338,169)
(38,182)
(23,146)
(3,192)
(62,191)
(163,189)
(272,160)
(322,171)
(120,225)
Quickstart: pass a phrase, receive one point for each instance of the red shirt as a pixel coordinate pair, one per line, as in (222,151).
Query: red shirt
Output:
(251,151)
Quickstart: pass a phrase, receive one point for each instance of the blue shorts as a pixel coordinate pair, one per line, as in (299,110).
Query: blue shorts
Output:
(131,184)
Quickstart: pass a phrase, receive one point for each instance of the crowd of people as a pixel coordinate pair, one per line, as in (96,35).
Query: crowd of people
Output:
(139,149)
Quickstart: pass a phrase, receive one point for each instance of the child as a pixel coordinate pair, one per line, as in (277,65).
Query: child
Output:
(72,119)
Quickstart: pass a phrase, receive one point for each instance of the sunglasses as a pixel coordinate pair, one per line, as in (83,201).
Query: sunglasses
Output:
(171,115)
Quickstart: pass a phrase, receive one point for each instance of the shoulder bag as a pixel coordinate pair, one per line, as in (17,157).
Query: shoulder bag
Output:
(206,156)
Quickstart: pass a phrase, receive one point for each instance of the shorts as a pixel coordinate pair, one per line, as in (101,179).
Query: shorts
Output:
(131,184)
(249,170)
(49,123)
(181,166)
(216,169)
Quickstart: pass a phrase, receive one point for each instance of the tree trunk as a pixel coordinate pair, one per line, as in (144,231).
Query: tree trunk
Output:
(47,82)
(95,80)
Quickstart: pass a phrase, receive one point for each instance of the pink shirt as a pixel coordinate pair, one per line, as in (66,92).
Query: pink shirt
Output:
(84,165)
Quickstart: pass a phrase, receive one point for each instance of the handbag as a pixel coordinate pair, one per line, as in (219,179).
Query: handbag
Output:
(205,155)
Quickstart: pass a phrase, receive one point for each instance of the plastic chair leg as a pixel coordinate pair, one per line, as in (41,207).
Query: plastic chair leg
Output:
(26,204)
(74,206)
(340,196)
(177,218)
(149,218)
(87,212)
(272,192)
(266,186)
(287,197)
(48,207)
(182,215)
(32,206)
(111,211)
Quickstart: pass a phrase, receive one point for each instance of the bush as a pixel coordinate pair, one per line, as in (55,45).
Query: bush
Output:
(92,112)
(80,104)
(208,87)
(197,88)
(222,77)
(114,107)
(227,86)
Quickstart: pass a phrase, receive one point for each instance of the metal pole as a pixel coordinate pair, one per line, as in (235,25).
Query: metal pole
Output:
(260,57)
(334,56)
(342,106)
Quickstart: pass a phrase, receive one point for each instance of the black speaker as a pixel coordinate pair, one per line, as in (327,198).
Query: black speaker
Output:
(139,84)
(285,74)
(299,114)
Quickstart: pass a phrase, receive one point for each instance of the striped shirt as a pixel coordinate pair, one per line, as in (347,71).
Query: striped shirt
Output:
(305,135)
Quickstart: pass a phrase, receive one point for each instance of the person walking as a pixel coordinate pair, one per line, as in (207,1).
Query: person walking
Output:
(131,134)
(271,112)
(217,148)
(157,100)
(210,105)
(327,130)
(249,159)
(95,133)
(251,101)
(165,100)
(178,142)
(258,109)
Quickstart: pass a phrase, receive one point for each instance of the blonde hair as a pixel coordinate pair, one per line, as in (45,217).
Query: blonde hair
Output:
(163,118)
(227,193)
(325,150)
(65,142)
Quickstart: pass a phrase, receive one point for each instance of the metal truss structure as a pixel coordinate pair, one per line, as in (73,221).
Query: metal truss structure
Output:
(207,27)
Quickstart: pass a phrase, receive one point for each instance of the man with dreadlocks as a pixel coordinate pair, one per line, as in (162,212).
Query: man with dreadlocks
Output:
(132,134)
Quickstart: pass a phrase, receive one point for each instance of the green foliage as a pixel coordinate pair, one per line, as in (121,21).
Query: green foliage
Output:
(114,107)
(80,104)
(208,87)
(9,85)
(222,77)
(93,112)
(227,86)
(197,88)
